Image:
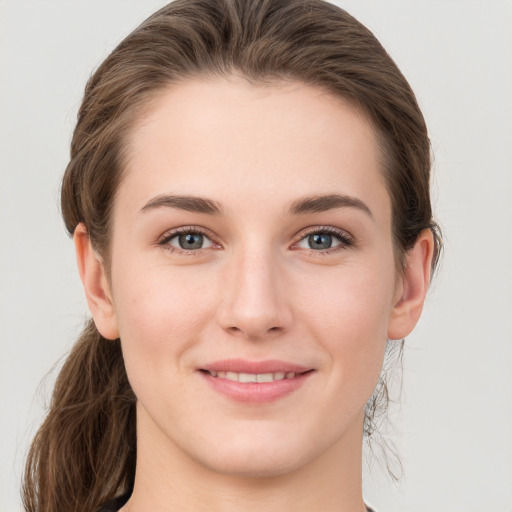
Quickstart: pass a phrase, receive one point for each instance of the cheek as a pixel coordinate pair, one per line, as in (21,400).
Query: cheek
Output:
(349,315)
(160,315)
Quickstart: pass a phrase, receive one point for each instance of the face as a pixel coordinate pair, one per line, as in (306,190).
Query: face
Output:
(252,274)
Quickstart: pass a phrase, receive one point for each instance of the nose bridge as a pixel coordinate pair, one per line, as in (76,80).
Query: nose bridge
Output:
(253,302)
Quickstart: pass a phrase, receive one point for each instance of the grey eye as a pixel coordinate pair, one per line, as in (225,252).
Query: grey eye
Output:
(320,241)
(190,241)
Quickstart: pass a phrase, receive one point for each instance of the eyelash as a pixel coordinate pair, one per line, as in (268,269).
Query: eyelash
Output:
(184,230)
(346,241)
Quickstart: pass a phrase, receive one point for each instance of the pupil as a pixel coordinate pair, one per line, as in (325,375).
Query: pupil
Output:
(191,241)
(320,241)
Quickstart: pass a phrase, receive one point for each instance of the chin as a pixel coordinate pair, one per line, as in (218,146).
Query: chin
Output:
(254,456)
(247,466)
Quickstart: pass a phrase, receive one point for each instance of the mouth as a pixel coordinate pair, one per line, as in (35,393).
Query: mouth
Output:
(253,381)
(254,377)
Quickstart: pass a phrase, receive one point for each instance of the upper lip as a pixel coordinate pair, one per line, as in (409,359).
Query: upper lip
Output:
(244,366)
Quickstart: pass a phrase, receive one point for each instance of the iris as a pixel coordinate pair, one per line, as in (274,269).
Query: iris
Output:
(191,241)
(320,241)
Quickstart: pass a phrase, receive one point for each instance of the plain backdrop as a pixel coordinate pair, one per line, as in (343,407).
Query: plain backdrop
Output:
(453,427)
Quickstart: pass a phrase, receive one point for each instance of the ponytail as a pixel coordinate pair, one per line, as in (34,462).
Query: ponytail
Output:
(84,452)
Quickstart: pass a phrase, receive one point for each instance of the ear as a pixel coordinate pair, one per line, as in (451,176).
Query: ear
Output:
(95,283)
(412,287)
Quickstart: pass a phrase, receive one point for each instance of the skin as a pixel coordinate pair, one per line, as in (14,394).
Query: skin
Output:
(256,290)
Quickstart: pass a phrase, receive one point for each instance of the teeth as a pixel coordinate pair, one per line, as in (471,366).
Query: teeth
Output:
(247,377)
(264,377)
(253,377)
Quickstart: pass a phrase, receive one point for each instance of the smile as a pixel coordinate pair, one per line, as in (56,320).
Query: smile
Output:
(253,377)
(255,381)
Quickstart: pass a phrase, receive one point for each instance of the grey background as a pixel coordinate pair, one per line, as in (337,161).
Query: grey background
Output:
(454,425)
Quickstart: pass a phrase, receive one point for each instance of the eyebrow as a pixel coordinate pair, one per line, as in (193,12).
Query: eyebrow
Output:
(312,204)
(187,203)
(317,204)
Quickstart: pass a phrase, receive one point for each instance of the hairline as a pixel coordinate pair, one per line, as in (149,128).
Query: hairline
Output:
(148,103)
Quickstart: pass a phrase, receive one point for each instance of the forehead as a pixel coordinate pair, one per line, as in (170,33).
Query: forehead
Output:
(237,142)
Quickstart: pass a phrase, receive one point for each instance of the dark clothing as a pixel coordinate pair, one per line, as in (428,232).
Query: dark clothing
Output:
(115,504)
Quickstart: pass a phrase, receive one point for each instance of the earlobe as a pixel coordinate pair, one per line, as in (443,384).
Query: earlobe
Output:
(414,285)
(95,283)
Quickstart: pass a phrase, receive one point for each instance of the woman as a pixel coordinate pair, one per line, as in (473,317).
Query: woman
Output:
(248,193)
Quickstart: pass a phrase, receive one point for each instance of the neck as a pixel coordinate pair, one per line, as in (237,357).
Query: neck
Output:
(169,479)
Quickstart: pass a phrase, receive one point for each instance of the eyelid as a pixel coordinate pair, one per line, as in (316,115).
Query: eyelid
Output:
(181,230)
(164,239)
(345,238)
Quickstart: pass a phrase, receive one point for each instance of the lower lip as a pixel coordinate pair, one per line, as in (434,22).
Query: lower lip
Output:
(256,392)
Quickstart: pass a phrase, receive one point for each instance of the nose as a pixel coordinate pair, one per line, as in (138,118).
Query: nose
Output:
(254,304)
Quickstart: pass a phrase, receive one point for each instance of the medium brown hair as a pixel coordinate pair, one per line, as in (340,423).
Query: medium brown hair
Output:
(84,453)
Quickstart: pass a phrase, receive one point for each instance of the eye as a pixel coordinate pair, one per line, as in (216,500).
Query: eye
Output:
(325,239)
(190,241)
(320,241)
(186,240)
